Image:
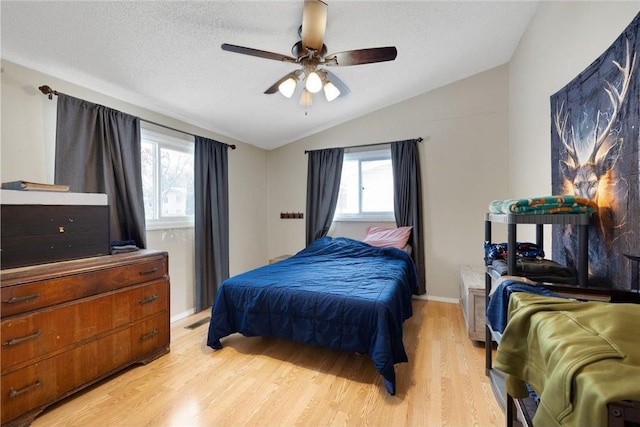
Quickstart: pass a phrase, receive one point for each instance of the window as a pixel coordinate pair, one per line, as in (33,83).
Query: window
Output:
(366,187)
(167,180)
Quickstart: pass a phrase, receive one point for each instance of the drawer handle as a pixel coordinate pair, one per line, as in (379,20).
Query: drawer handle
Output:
(149,271)
(148,300)
(14,300)
(15,393)
(14,341)
(149,335)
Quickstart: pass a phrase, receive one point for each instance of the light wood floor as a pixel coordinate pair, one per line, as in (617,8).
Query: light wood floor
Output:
(271,382)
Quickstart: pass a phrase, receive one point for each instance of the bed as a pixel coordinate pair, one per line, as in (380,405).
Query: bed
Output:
(578,359)
(338,293)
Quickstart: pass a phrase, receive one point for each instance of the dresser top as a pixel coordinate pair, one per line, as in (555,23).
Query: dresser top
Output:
(9,276)
(17,197)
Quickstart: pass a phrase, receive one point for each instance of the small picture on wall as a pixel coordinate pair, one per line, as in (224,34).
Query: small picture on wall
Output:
(595,145)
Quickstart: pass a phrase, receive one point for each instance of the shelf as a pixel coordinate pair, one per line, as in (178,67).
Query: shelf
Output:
(589,293)
(520,412)
(575,219)
(512,220)
(525,408)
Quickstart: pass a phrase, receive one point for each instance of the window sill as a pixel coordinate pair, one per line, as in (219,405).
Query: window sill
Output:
(168,225)
(365,219)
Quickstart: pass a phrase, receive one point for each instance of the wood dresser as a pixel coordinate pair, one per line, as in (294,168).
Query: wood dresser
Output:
(67,325)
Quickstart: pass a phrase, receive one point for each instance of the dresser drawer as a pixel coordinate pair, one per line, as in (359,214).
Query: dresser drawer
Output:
(27,337)
(40,384)
(49,291)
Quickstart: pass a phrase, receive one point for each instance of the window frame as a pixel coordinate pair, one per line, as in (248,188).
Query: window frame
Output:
(364,155)
(164,140)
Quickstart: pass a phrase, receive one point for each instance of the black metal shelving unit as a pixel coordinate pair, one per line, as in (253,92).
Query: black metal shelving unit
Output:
(582,221)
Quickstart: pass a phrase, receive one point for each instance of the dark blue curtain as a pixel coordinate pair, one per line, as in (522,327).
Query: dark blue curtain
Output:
(211,219)
(407,199)
(323,185)
(98,151)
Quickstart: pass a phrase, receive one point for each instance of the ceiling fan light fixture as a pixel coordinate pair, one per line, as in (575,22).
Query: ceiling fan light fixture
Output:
(306,99)
(313,83)
(331,92)
(310,54)
(287,87)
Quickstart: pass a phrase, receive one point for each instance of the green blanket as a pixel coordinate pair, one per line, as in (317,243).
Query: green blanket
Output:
(558,204)
(577,356)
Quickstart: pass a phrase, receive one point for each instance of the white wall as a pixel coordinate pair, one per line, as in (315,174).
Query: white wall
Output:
(27,152)
(465,147)
(562,39)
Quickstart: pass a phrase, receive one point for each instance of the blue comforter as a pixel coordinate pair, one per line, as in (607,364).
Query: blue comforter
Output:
(338,293)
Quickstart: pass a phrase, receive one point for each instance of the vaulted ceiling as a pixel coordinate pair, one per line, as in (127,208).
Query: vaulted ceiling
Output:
(165,55)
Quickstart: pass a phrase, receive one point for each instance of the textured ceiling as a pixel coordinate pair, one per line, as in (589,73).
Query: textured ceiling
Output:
(166,56)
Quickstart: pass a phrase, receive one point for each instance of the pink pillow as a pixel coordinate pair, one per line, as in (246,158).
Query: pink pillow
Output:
(388,237)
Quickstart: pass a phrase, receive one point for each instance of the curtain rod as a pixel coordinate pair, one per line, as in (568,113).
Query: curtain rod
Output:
(50,92)
(359,146)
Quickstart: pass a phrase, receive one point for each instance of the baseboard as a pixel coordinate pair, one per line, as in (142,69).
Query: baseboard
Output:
(439,299)
(182,315)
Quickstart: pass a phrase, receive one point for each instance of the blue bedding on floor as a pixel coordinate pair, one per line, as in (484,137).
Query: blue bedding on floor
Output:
(338,293)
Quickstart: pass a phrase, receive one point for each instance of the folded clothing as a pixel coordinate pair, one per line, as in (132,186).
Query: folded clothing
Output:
(577,356)
(559,204)
(123,242)
(122,246)
(539,270)
(495,251)
(123,249)
(498,307)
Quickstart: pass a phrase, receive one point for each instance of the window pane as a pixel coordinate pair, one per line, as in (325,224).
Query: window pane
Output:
(377,186)
(176,183)
(366,187)
(348,199)
(148,181)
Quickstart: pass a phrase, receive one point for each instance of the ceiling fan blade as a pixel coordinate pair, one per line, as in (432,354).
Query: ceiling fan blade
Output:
(361,56)
(314,24)
(274,88)
(257,52)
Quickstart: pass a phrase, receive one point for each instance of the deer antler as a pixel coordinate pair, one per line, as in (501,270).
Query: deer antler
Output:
(560,121)
(616,97)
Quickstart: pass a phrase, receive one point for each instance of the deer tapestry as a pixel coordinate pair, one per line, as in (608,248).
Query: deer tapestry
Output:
(595,144)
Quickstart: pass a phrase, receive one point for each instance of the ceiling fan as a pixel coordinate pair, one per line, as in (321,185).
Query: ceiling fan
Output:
(311,54)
